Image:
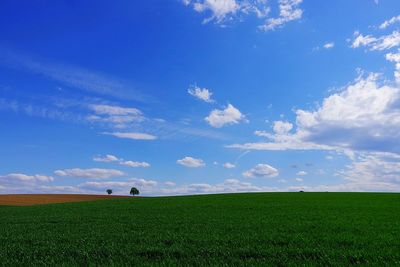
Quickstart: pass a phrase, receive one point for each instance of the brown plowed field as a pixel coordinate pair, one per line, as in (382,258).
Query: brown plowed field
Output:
(29,200)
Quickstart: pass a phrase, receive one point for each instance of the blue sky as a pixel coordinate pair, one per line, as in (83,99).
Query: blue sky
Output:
(199,96)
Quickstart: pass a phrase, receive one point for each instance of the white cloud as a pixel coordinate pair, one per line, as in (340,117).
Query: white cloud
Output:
(302,173)
(115,116)
(288,11)
(362,119)
(329,45)
(20,177)
(349,187)
(134,164)
(120,184)
(395,57)
(227,10)
(220,9)
(229,115)
(94,173)
(107,158)
(73,76)
(361,40)
(280,142)
(129,163)
(376,43)
(191,162)
(282,127)
(262,170)
(201,93)
(299,180)
(227,186)
(114,110)
(374,168)
(229,165)
(169,183)
(365,116)
(389,22)
(329,157)
(133,135)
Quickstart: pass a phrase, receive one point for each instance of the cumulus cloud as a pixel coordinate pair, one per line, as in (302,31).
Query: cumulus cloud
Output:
(191,162)
(302,173)
(262,170)
(228,116)
(106,158)
(282,127)
(220,9)
(288,11)
(300,180)
(362,119)
(395,57)
(229,165)
(227,10)
(201,93)
(374,168)
(20,177)
(94,173)
(365,116)
(132,135)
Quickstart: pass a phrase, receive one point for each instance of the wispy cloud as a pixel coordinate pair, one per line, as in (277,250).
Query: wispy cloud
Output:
(21,177)
(389,22)
(129,163)
(132,135)
(288,11)
(106,158)
(94,173)
(72,76)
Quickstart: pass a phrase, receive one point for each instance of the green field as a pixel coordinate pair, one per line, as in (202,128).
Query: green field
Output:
(276,229)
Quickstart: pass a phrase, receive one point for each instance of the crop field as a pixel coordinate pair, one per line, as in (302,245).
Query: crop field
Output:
(37,199)
(277,229)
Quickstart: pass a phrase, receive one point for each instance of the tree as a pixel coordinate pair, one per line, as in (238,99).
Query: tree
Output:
(109,191)
(134,191)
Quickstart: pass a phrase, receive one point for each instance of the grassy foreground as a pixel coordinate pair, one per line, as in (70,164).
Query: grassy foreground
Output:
(236,229)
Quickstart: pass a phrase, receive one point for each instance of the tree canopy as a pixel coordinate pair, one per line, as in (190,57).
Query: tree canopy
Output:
(134,191)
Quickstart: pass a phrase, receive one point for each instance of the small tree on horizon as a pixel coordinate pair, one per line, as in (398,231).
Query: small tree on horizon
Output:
(109,191)
(134,191)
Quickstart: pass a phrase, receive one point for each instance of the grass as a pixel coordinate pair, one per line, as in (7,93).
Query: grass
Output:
(277,229)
